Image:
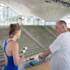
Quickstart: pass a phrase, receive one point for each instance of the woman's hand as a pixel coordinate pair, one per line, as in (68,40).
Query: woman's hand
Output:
(22,59)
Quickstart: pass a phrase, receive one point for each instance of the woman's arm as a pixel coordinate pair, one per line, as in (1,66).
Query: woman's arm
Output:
(16,56)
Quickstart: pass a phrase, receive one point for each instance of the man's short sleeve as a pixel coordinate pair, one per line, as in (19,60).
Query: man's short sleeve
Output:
(56,45)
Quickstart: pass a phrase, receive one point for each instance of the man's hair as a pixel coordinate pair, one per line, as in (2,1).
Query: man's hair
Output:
(62,22)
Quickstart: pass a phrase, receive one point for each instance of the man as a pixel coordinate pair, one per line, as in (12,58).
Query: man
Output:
(60,48)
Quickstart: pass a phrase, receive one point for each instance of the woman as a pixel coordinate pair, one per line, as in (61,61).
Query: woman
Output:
(11,48)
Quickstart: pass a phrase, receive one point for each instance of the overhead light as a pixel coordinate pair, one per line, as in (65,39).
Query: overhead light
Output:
(24,49)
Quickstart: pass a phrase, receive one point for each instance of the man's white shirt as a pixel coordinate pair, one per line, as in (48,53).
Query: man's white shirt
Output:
(60,50)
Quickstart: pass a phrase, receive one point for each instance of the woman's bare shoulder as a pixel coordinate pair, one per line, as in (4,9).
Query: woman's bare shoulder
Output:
(13,44)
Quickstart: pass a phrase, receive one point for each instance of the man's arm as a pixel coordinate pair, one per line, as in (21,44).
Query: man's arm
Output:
(55,46)
(45,54)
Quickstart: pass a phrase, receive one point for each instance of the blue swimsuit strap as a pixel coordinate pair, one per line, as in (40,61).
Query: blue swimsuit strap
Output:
(5,45)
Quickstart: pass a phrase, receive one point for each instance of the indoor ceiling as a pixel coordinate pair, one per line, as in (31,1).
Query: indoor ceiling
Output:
(50,11)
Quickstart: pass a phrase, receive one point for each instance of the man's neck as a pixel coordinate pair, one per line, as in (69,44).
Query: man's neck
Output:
(64,31)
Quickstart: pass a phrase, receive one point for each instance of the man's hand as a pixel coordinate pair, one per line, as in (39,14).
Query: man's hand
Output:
(41,55)
(44,54)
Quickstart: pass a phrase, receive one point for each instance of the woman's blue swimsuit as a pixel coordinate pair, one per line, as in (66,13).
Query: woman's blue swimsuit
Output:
(10,61)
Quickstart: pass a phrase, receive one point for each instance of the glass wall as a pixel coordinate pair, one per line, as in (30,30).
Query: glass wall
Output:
(9,15)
